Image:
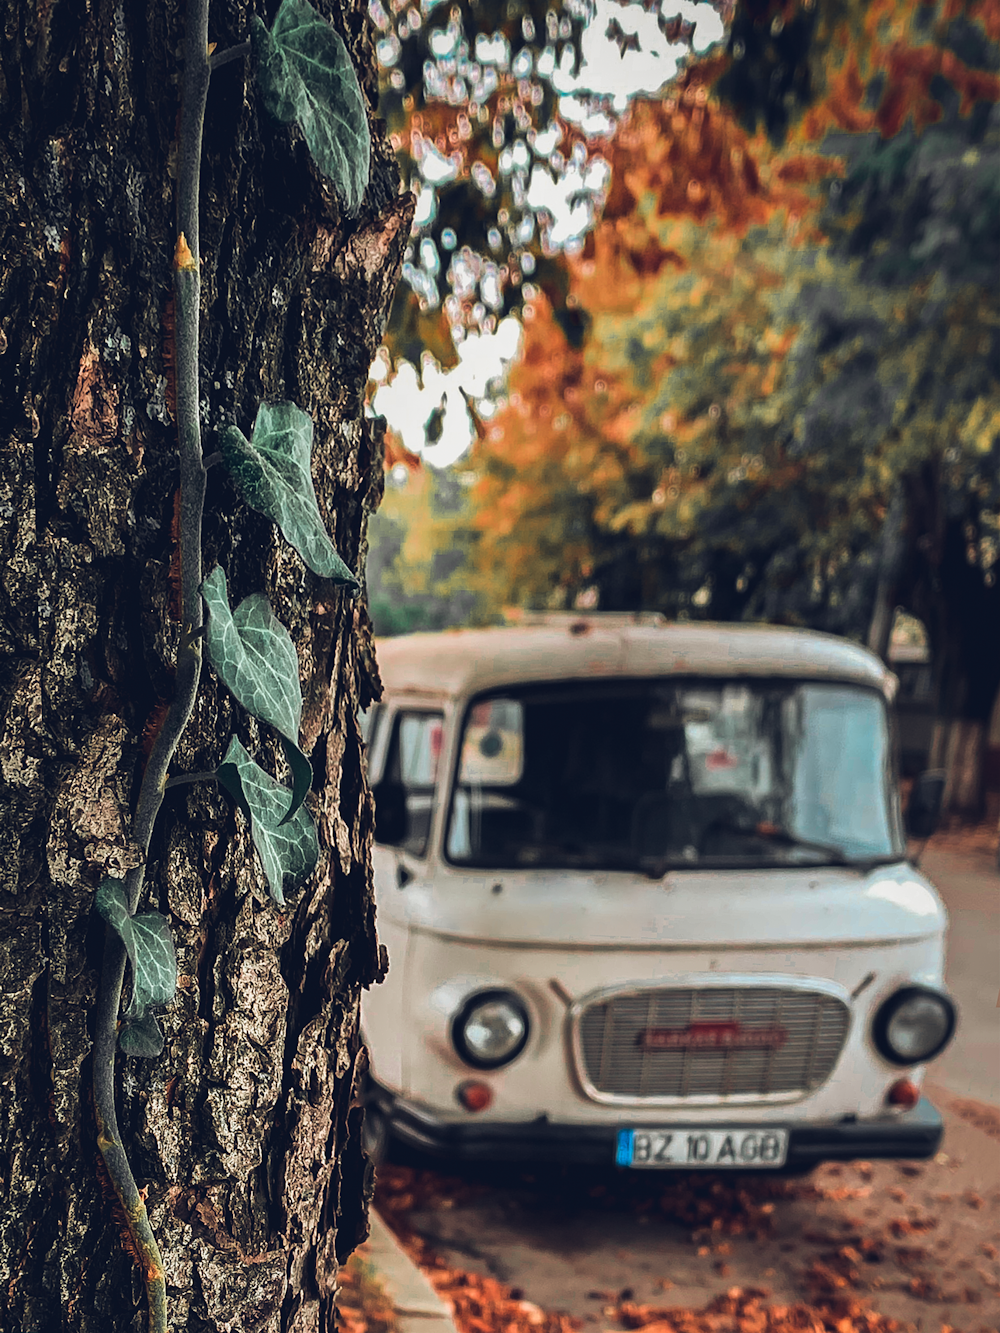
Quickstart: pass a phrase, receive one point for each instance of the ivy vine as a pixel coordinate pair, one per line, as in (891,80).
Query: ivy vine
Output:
(304,76)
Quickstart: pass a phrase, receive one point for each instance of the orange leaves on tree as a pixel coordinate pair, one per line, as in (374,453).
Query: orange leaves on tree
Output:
(550,457)
(693,159)
(986,12)
(842,107)
(676,422)
(395,453)
(885,39)
(685,157)
(909,75)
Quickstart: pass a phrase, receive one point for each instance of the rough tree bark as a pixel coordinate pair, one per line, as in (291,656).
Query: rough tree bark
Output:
(243,1130)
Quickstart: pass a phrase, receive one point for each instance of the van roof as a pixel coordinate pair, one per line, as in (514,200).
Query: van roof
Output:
(461,662)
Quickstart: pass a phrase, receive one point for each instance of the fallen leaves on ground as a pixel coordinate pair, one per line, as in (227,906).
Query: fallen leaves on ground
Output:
(745,1310)
(980,1114)
(711,1208)
(484,1305)
(363,1306)
(855,1257)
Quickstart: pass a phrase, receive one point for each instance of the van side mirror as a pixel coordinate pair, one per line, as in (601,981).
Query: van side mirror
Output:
(391,816)
(923,809)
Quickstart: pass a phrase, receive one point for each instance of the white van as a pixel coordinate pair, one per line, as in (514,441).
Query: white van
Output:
(646,897)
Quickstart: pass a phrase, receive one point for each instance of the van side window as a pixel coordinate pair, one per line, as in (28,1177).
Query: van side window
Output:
(414,752)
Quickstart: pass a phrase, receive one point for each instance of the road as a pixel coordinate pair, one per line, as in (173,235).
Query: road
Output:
(969,883)
(918,1241)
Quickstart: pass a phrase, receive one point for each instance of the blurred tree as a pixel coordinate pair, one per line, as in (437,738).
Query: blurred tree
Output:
(760,425)
(470,93)
(415,571)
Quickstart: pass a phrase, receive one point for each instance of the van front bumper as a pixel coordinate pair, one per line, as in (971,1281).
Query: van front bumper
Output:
(912,1134)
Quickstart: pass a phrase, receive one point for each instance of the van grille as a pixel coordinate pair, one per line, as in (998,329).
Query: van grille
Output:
(711,1043)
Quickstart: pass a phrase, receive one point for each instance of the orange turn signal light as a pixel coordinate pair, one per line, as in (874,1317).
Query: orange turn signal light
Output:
(473,1095)
(903,1093)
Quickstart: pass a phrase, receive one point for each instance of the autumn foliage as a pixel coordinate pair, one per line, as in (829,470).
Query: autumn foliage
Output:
(729,433)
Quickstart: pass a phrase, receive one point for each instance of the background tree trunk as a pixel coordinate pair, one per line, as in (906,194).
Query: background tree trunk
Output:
(891,553)
(945,588)
(243,1130)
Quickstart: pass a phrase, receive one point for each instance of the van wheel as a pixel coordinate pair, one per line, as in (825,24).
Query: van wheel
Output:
(375,1135)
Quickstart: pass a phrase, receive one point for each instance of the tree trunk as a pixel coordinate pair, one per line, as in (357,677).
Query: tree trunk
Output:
(892,550)
(243,1131)
(959,747)
(960,607)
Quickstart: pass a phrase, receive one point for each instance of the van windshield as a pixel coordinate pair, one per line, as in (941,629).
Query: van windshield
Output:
(650,775)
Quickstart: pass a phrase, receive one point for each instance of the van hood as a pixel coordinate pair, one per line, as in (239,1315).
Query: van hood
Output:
(818,906)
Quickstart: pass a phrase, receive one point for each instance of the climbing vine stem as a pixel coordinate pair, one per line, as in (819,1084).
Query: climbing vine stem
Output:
(187,300)
(305,75)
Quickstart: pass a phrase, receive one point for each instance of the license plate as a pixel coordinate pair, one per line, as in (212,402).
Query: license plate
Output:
(692,1148)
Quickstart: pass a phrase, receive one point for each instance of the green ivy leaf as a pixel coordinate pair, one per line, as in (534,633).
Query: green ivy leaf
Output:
(150,949)
(256,660)
(274,477)
(141,1036)
(287,849)
(305,74)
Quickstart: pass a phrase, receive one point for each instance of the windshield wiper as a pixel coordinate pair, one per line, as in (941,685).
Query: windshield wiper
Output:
(836,855)
(772,833)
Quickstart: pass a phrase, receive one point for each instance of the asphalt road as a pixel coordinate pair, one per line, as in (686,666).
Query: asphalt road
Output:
(969,883)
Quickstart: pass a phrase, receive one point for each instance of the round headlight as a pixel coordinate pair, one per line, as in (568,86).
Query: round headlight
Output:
(490,1029)
(914,1025)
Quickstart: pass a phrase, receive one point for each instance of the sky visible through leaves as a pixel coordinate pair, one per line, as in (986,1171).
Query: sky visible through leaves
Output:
(641,58)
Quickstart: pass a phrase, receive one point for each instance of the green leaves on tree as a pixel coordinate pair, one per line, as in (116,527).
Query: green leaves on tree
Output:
(150,949)
(288,848)
(273,475)
(305,74)
(257,662)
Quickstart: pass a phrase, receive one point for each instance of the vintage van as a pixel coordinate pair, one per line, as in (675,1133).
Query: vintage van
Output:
(646,897)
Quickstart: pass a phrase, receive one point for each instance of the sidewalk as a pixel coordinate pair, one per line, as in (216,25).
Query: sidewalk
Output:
(416,1306)
(964,870)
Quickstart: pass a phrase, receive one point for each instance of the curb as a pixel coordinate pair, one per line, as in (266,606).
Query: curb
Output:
(416,1305)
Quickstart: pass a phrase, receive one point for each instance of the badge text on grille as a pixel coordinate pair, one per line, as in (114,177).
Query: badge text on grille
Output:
(712,1036)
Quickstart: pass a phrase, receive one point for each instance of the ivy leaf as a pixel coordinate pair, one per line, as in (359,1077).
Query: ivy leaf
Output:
(141,1036)
(305,74)
(150,949)
(273,476)
(256,660)
(287,848)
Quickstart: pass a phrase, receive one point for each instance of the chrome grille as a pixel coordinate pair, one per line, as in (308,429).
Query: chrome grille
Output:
(615,1063)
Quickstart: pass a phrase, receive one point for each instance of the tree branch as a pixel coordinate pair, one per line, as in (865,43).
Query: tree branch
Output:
(220,58)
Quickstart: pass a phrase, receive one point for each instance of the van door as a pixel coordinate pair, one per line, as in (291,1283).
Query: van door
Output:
(409,756)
